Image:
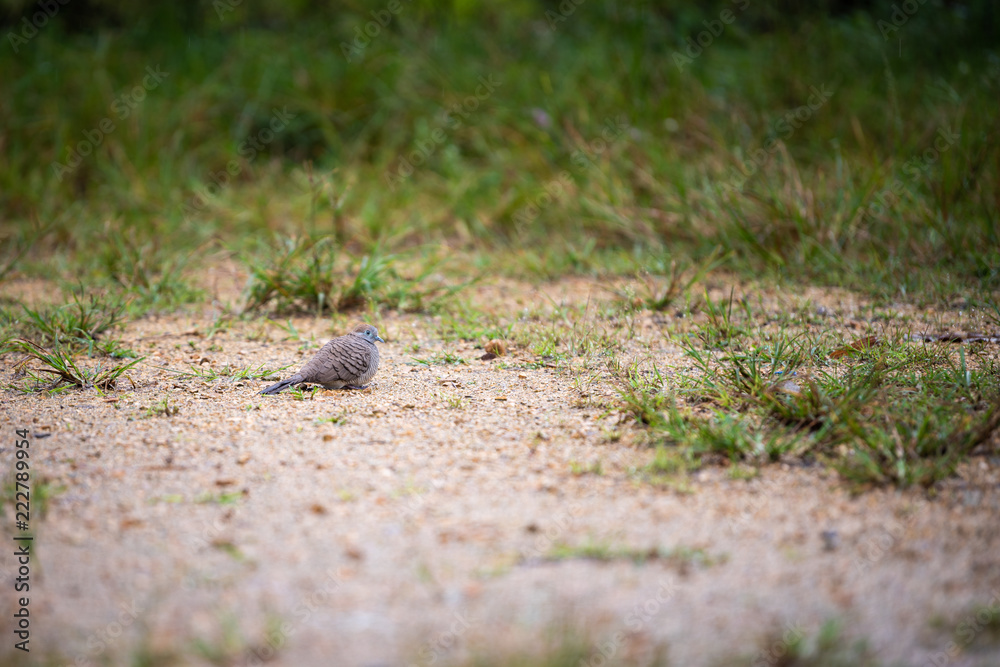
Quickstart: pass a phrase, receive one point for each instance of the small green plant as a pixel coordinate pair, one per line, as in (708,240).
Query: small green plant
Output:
(467,323)
(223,498)
(114,349)
(792,644)
(605,551)
(641,393)
(42,491)
(444,359)
(162,408)
(455,402)
(149,270)
(336,420)
(61,366)
(291,332)
(231,372)
(304,392)
(315,274)
(80,322)
(652,296)
(594,468)
(15,246)
(772,392)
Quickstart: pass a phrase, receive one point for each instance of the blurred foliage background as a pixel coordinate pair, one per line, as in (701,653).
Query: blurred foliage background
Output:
(536,138)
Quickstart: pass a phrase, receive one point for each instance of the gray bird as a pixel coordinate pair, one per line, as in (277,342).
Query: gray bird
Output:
(348,362)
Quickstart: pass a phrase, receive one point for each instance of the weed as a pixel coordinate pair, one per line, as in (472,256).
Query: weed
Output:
(233,373)
(466,323)
(656,298)
(315,274)
(81,322)
(291,332)
(336,420)
(150,270)
(61,365)
(563,647)
(444,359)
(577,468)
(42,491)
(793,645)
(879,409)
(224,498)
(641,393)
(603,551)
(301,393)
(162,408)
(16,246)
(455,403)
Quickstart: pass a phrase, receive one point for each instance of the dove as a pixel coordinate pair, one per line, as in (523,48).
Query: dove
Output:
(347,362)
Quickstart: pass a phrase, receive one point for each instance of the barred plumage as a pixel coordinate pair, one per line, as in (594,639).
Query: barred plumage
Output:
(349,362)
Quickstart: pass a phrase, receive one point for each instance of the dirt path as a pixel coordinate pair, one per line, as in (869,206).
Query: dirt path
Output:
(412,522)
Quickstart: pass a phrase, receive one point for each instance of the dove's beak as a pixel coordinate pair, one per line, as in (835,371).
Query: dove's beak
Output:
(379,339)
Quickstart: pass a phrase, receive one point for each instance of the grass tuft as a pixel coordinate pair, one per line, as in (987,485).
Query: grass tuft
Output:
(80,322)
(881,409)
(316,274)
(63,368)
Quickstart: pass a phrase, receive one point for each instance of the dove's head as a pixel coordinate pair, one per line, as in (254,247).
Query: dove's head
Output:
(368,332)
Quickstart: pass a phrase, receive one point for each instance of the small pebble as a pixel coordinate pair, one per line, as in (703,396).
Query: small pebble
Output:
(831,540)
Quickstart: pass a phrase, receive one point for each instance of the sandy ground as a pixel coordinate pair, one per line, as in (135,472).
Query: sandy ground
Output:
(413,531)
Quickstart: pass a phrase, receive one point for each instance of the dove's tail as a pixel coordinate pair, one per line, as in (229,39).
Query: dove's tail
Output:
(283,385)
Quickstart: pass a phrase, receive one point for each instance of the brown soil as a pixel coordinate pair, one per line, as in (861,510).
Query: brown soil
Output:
(414,531)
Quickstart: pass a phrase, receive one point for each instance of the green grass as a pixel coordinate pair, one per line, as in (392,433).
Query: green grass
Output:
(590,153)
(884,410)
(319,275)
(221,498)
(443,359)
(593,153)
(62,370)
(79,322)
(149,271)
(161,408)
(603,551)
(229,372)
(789,645)
(336,420)
(793,644)
(565,648)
